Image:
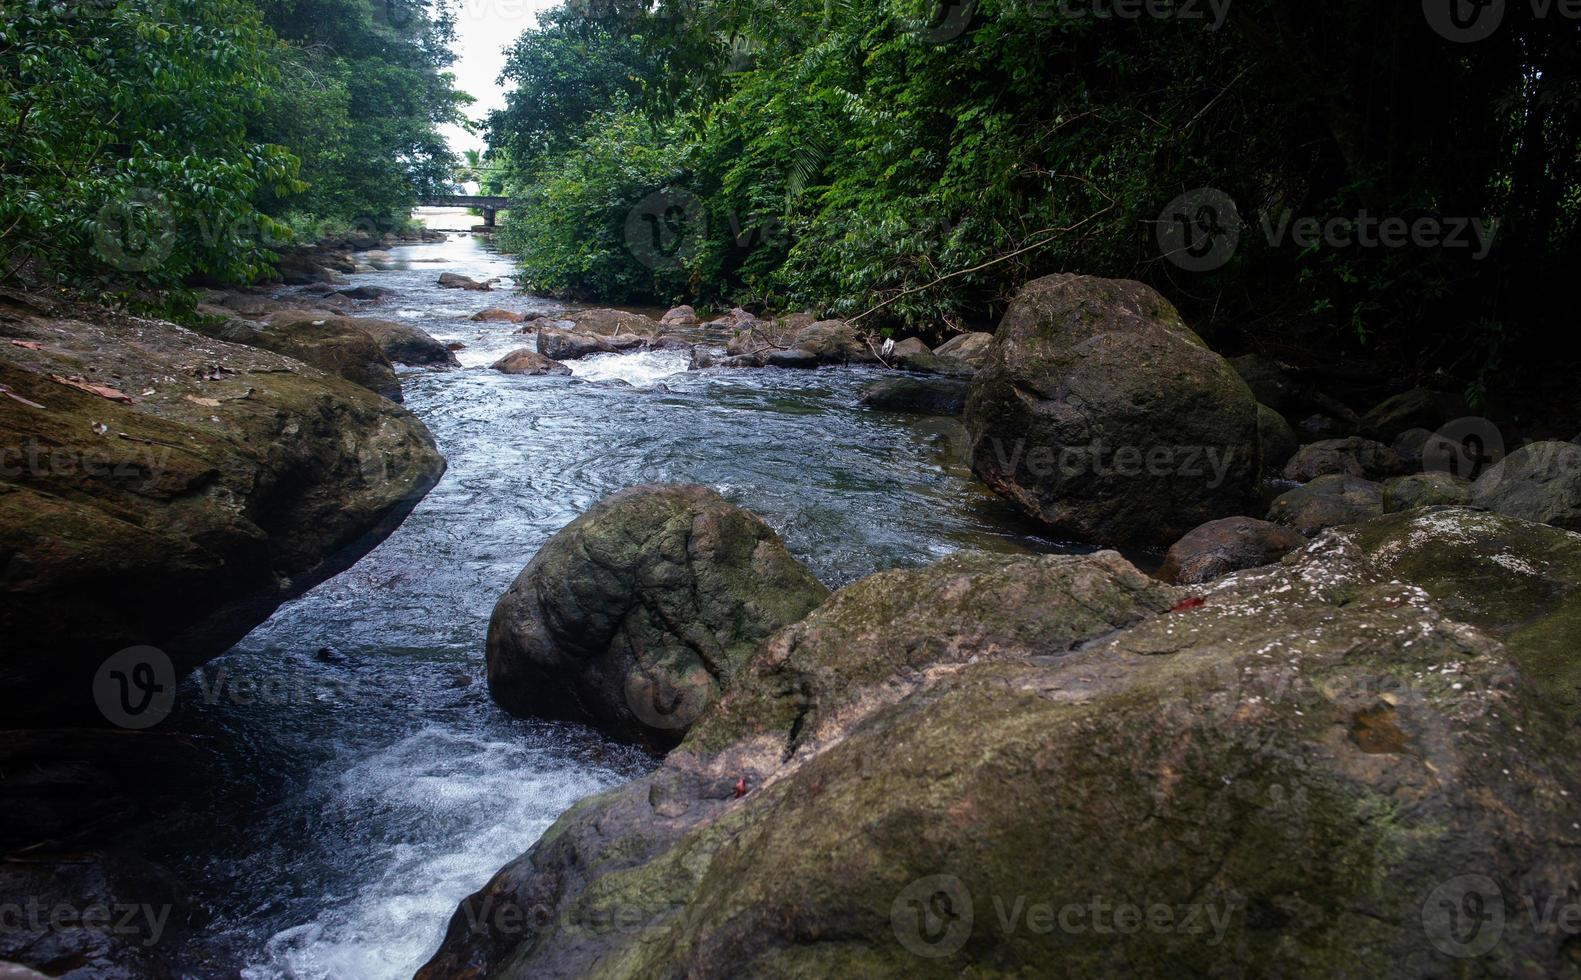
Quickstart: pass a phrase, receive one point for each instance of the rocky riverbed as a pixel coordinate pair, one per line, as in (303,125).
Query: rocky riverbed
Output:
(590,697)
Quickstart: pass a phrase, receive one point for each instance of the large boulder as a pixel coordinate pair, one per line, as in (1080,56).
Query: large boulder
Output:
(1230,544)
(529,363)
(641,611)
(569,345)
(1328,501)
(910,347)
(1303,773)
(607,322)
(165,488)
(1102,415)
(680,316)
(1354,456)
(833,342)
(1540,482)
(402,343)
(970,349)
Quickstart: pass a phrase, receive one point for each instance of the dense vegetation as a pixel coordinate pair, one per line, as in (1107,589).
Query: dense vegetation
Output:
(837,156)
(149,142)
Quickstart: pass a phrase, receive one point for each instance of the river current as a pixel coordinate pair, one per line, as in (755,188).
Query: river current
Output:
(359,782)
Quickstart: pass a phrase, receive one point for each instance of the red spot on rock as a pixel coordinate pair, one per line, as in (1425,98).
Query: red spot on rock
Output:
(1195,602)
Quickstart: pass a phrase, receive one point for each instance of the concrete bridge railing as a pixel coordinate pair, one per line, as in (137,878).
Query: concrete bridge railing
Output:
(490,206)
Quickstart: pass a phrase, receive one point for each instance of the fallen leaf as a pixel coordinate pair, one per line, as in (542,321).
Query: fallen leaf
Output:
(1195,602)
(29,344)
(103,391)
(205,402)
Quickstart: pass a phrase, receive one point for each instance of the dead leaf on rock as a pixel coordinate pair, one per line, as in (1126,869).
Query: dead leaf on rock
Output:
(103,391)
(28,344)
(205,402)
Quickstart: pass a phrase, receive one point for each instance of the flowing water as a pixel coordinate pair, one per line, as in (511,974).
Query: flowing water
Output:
(361,781)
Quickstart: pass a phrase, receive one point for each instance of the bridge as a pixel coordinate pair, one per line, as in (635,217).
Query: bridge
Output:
(490,206)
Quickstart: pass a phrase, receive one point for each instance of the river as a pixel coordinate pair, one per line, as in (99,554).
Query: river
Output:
(359,782)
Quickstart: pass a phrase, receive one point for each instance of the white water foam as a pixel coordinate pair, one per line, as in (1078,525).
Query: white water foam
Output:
(463,801)
(639,370)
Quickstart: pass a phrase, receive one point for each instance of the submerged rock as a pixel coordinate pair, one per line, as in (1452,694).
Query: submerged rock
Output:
(932,396)
(452,280)
(638,613)
(1228,545)
(1295,776)
(1100,414)
(530,363)
(187,486)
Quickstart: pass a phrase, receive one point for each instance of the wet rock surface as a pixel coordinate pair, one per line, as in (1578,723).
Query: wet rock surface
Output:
(1100,414)
(640,612)
(1091,734)
(188,484)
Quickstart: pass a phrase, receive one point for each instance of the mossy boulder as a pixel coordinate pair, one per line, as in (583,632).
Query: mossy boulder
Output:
(637,614)
(173,490)
(1424,490)
(1518,580)
(403,343)
(612,323)
(1294,777)
(1328,501)
(1100,414)
(1539,482)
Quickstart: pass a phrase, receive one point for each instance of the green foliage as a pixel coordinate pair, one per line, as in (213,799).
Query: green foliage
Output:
(127,158)
(848,157)
(153,142)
